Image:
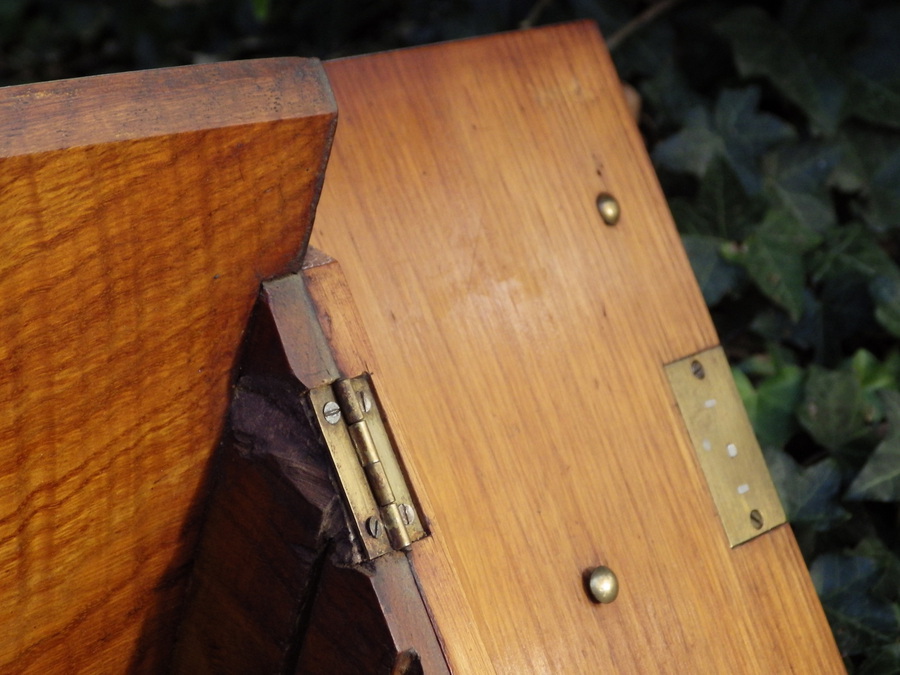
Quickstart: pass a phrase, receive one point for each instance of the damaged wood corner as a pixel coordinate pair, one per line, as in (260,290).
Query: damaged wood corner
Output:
(283,580)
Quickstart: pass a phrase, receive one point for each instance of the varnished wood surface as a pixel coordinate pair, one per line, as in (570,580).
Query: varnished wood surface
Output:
(139,213)
(518,346)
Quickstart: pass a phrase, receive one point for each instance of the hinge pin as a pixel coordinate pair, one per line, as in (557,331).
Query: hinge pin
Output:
(379,503)
(354,407)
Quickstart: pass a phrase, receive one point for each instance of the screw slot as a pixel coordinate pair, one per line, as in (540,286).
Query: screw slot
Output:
(756,519)
(407,513)
(332,412)
(608,208)
(697,369)
(373,526)
(366,401)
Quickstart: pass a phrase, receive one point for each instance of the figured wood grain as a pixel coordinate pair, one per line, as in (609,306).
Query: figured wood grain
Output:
(518,345)
(139,213)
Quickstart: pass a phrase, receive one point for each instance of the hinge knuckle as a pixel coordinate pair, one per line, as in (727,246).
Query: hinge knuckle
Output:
(365,446)
(349,400)
(396,528)
(372,483)
(379,483)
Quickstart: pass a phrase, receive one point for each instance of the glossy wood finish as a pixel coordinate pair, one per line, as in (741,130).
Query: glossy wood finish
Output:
(518,346)
(139,213)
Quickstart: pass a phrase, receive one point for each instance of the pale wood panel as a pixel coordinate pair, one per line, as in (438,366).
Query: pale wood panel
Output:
(518,346)
(139,213)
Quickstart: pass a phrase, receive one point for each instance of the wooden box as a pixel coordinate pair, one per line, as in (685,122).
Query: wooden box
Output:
(534,360)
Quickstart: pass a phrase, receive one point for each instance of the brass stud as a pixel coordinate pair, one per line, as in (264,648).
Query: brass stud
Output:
(603,586)
(608,208)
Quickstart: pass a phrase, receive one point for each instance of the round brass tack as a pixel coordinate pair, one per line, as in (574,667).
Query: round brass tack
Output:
(603,586)
(608,208)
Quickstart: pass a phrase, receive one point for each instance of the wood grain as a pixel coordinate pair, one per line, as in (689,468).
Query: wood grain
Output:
(270,520)
(277,584)
(139,212)
(518,347)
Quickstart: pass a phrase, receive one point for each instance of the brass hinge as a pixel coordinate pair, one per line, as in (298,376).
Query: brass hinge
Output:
(374,488)
(725,445)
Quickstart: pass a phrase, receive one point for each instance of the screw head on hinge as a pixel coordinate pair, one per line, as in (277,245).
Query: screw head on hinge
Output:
(756,519)
(373,527)
(366,401)
(697,369)
(332,412)
(407,513)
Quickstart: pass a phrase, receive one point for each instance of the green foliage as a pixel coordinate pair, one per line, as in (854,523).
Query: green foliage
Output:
(775,128)
(782,167)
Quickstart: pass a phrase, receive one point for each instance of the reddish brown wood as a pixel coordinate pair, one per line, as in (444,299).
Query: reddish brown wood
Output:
(366,619)
(277,585)
(140,212)
(271,520)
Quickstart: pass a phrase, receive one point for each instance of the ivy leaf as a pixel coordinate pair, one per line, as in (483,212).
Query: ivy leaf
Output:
(745,390)
(735,132)
(692,149)
(721,209)
(747,133)
(884,195)
(668,93)
(873,101)
(888,585)
(883,661)
(763,48)
(832,410)
(858,620)
(777,399)
(886,293)
(852,250)
(810,496)
(716,276)
(879,479)
(773,256)
(796,176)
(872,373)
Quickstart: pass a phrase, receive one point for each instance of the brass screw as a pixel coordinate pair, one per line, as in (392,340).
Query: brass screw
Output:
(603,586)
(697,370)
(407,513)
(366,401)
(608,208)
(756,519)
(373,526)
(332,412)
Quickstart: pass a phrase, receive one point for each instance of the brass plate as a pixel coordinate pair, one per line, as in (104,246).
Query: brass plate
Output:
(726,446)
(352,478)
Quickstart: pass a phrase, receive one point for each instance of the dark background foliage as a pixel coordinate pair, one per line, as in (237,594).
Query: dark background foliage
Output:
(775,128)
